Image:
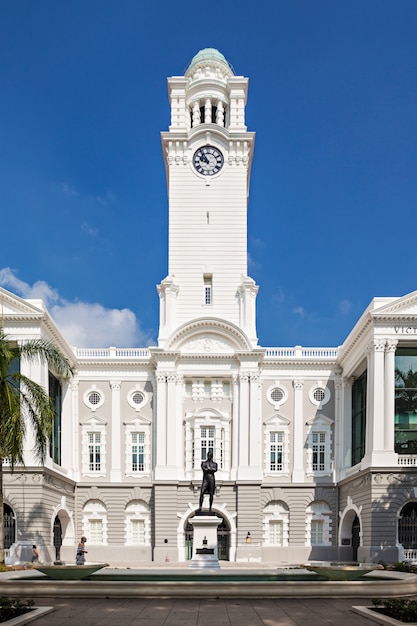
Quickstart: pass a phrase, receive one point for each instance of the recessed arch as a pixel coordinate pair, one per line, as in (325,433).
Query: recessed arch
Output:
(208,335)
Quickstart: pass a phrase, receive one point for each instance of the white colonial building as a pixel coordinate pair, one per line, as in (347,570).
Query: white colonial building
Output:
(316,447)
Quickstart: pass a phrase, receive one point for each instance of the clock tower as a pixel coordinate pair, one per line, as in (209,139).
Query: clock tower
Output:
(208,154)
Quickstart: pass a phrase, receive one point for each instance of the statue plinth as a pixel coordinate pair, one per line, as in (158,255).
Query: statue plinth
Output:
(205,555)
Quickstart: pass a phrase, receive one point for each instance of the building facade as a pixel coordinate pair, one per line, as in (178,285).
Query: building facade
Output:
(315,446)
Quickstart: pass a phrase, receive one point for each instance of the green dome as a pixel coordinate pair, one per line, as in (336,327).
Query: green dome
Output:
(209,54)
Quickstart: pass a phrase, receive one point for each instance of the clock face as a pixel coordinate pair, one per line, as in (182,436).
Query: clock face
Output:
(208,160)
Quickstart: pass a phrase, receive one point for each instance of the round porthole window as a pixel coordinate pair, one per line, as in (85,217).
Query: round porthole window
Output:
(319,395)
(137,398)
(277,395)
(93,399)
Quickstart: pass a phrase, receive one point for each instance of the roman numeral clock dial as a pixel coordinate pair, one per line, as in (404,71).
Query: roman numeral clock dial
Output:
(208,160)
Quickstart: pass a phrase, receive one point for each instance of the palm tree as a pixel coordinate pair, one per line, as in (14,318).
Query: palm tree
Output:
(24,403)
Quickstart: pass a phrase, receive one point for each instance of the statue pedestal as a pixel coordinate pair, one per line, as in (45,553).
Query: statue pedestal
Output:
(205,541)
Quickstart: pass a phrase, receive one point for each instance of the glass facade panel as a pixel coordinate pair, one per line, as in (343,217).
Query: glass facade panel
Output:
(406,401)
(358,418)
(55,393)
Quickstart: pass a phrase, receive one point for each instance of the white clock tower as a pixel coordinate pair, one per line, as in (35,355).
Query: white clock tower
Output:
(208,154)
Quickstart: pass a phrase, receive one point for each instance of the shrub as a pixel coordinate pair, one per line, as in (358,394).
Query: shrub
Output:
(402,609)
(13,608)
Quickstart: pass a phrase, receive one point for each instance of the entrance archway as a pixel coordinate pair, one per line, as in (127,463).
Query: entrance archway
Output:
(223,540)
(57,538)
(356,542)
(407,530)
(9,526)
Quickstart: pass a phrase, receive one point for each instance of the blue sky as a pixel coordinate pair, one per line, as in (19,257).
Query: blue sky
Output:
(332,208)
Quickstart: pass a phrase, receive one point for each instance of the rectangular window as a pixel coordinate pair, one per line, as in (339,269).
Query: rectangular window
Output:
(138,452)
(276,447)
(207,442)
(276,533)
(55,393)
(317,530)
(319,452)
(96,531)
(406,401)
(138,531)
(94,452)
(358,418)
(208,288)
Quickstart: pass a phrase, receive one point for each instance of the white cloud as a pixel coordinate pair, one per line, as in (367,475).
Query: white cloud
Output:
(299,310)
(83,324)
(345,307)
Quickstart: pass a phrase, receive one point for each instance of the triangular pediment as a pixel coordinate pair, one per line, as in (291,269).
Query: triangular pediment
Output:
(93,420)
(137,421)
(11,304)
(277,420)
(404,306)
(320,420)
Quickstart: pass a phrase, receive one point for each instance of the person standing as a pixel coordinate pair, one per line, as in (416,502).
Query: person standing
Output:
(81,552)
(35,554)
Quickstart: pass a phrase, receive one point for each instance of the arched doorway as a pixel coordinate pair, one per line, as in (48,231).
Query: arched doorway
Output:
(223,541)
(57,538)
(356,542)
(407,530)
(9,526)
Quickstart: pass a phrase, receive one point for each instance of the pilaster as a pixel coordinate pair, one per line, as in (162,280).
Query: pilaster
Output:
(115,462)
(298,474)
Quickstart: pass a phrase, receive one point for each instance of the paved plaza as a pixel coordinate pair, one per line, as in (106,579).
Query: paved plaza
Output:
(207,612)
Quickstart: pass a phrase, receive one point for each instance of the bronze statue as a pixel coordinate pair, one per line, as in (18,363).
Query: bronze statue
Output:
(208,485)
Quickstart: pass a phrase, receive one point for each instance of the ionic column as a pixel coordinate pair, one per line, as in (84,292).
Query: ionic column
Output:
(160,433)
(171,425)
(338,440)
(347,421)
(115,463)
(375,413)
(298,443)
(389,421)
(254,426)
(76,459)
(235,426)
(243,462)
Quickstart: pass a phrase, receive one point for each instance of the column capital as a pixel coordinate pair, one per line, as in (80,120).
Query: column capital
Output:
(391,345)
(376,345)
(115,385)
(298,384)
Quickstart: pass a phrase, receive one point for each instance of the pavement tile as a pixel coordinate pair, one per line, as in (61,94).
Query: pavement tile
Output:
(205,612)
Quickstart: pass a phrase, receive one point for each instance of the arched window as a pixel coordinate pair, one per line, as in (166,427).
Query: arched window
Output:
(276,524)
(95,522)
(9,526)
(318,524)
(407,531)
(137,524)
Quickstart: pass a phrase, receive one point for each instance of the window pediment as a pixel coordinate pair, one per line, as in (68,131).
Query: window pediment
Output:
(137,421)
(277,420)
(93,421)
(320,420)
